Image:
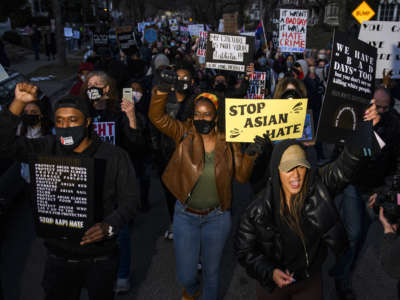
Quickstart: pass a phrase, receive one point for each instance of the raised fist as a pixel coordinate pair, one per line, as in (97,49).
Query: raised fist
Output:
(26,92)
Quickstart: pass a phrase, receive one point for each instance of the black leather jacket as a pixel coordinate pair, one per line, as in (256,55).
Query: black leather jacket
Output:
(259,242)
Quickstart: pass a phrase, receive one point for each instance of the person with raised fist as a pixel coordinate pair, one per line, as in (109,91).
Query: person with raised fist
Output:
(94,259)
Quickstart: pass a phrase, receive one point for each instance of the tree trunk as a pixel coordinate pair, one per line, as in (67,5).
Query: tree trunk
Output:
(61,55)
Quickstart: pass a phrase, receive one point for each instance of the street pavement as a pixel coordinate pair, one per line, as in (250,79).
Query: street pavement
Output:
(153,263)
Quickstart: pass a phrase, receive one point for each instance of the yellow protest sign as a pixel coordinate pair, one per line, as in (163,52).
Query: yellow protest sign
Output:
(282,118)
(363,12)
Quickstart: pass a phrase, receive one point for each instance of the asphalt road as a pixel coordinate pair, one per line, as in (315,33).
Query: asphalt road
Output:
(153,265)
(153,261)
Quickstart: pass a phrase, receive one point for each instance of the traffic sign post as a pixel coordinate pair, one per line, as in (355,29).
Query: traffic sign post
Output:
(363,12)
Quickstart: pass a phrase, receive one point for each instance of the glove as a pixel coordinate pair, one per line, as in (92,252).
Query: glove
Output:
(260,145)
(363,142)
(168,79)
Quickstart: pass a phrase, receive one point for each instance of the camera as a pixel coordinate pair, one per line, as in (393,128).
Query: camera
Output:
(168,79)
(390,201)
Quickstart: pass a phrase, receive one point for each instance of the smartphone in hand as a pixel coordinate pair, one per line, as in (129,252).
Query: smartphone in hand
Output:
(127,94)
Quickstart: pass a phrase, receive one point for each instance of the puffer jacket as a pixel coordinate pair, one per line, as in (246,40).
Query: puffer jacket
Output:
(181,175)
(259,242)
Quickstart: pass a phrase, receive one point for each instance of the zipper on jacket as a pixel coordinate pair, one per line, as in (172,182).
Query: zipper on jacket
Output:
(307,274)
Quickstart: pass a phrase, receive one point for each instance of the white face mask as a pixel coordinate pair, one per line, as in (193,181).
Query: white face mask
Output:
(83,78)
(136,96)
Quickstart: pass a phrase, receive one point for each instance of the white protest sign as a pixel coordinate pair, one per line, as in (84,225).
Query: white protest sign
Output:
(292,30)
(173,25)
(68,32)
(385,36)
(106,131)
(195,29)
(230,52)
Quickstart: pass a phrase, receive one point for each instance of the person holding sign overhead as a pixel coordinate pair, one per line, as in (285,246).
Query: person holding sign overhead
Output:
(93,259)
(200,175)
(282,236)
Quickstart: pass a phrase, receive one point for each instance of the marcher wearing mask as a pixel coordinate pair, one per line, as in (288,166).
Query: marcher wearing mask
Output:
(261,66)
(374,177)
(99,89)
(282,236)
(200,175)
(136,67)
(177,107)
(223,90)
(93,260)
(84,70)
(35,124)
(101,93)
(290,83)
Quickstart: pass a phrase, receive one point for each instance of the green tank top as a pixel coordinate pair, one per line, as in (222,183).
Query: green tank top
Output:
(204,194)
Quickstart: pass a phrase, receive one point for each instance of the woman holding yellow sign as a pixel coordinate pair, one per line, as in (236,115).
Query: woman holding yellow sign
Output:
(200,175)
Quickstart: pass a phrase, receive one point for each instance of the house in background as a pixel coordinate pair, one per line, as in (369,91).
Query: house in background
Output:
(389,10)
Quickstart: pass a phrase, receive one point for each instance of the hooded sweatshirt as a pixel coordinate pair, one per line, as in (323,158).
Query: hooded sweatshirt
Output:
(301,256)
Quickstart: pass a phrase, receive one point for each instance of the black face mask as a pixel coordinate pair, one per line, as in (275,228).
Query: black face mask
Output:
(94,93)
(30,120)
(204,126)
(182,86)
(71,137)
(220,87)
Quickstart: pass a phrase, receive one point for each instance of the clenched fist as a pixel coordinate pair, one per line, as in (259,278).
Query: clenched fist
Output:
(26,92)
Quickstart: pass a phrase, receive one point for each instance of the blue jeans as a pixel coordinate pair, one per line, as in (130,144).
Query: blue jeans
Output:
(200,238)
(124,242)
(352,213)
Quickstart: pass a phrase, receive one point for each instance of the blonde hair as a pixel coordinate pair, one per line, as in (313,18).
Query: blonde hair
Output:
(113,99)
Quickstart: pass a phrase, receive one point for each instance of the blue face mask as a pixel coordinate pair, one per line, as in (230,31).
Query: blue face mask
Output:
(262,61)
(172,44)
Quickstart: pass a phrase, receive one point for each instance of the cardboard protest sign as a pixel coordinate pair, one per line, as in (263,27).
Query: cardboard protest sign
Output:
(231,52)
(150,35)
(350,88)
(256,88)
(195,29)
(231,22)
(202,46)
(282,118)
(385,36)
(66,195)
(106,131)
(125,36)
(292,30)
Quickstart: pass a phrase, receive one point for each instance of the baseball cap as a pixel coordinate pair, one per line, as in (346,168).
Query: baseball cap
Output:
(293,157)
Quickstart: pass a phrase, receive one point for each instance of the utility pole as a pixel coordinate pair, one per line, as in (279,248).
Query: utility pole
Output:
(61,55)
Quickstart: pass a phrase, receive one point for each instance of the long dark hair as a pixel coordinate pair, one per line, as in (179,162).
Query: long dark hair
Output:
(292,214)
(45,122)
